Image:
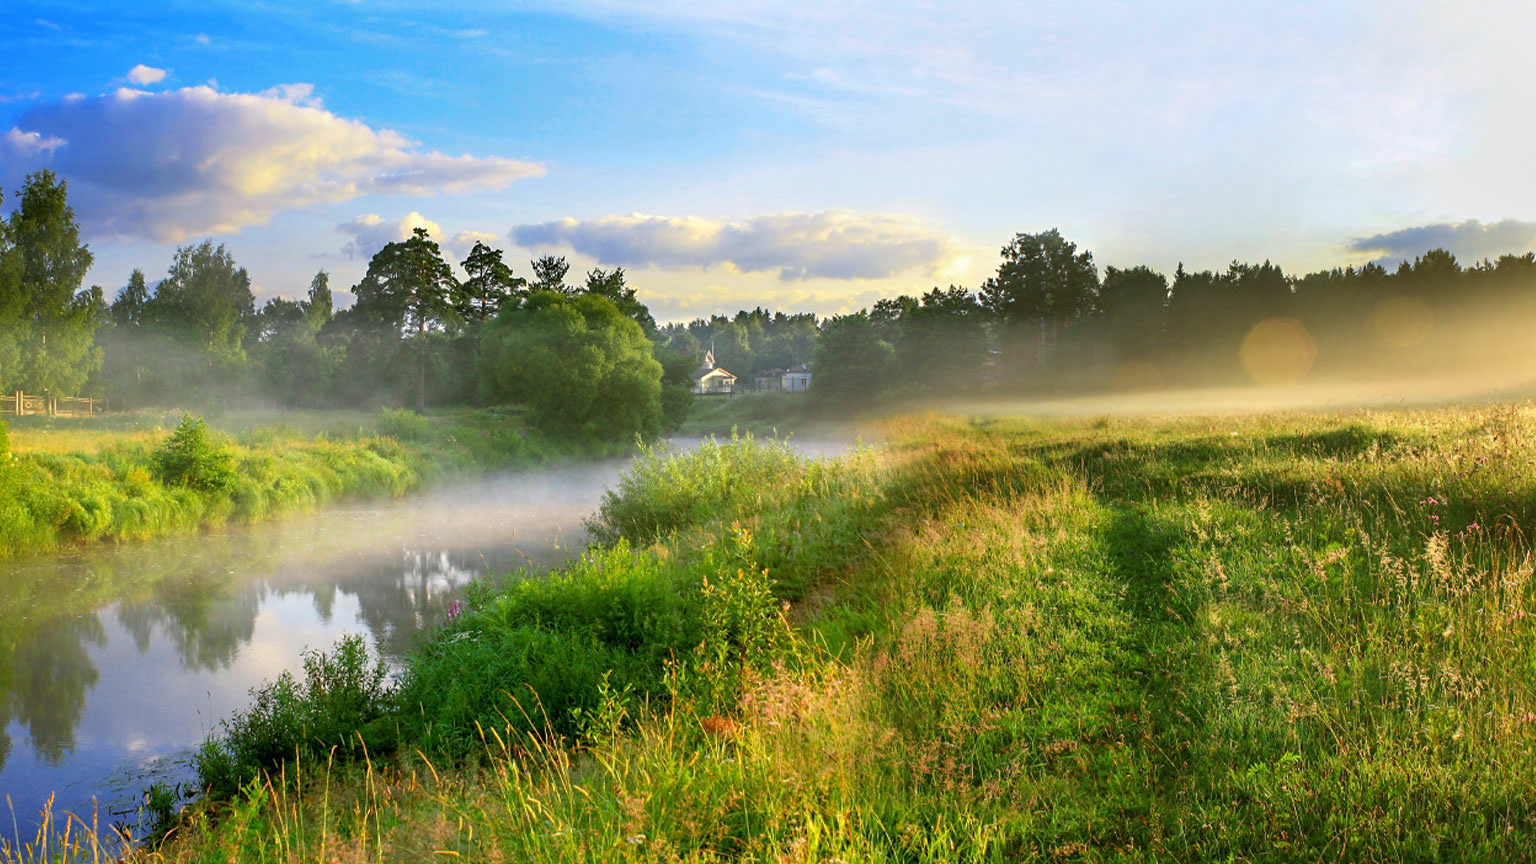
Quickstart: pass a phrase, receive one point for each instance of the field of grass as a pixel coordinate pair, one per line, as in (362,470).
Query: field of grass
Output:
(1269,638)
(85,480)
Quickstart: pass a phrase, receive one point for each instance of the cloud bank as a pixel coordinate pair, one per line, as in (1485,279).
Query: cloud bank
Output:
(1468,241)
(164,166)
(831,245)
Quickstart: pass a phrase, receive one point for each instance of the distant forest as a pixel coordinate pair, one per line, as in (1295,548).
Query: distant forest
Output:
(1047,321)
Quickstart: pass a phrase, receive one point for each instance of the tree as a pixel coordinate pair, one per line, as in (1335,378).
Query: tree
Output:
(549,274)
(1132,303)
(612,286)
(942,341)
(489,285)
(1042,283)
(853,364)
(319,308)
(580,365)
(409,288)
(128,309)
(12,302)
(56,328)
(205,300)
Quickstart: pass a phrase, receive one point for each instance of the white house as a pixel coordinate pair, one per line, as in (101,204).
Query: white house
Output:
(711,380)
(797,379)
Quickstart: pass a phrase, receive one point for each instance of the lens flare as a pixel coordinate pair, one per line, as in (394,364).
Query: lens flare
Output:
(1278,351)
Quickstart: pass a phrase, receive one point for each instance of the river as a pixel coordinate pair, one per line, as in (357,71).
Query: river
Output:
(117,661)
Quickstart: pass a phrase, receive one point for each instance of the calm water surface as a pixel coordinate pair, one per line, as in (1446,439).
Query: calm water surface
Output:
(116,662)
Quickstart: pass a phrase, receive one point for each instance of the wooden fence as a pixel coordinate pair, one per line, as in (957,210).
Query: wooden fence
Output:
(22,404)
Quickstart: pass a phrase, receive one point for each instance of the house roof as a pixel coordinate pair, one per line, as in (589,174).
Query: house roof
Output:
(715,372)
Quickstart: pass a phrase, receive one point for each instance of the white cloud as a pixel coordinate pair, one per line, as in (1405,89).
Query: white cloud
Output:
(834,244)
(168,165)
(29,144)
(142,74)
(371,232)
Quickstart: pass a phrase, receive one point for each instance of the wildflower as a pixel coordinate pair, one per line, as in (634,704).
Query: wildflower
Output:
(454,610)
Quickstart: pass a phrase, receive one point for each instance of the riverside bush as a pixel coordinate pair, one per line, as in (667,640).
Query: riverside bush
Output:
(191,458)
(343,691)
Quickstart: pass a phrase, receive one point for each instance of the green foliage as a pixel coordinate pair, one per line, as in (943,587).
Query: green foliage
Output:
(5,438)
(190,458)
(343,691)
(578,363)
(853,364)
(403,424)
(47,323)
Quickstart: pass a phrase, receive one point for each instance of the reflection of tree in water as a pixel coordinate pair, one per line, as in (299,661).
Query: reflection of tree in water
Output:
(53,672)
(203,596)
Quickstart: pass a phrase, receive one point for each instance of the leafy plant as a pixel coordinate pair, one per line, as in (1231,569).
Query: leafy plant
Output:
(192,459)
(403,424)
(341,694)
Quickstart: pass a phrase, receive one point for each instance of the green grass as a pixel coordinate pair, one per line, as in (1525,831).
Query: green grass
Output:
(1272,638)
(86,480)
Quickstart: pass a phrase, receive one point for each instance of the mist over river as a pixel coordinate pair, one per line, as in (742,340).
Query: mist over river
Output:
(116,661)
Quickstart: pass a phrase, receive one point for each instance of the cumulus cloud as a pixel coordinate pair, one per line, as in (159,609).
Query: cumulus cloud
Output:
(372,232)
(832,245)
(196,160)
(1469,241)
(466,240)
(142,74)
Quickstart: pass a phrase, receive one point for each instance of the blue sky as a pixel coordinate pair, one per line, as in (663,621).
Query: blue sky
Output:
(799,155)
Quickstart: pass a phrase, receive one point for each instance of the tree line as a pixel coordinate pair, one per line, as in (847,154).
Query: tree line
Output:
(578,355)
(586,355)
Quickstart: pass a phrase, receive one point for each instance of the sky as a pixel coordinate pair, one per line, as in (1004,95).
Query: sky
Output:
(802,155)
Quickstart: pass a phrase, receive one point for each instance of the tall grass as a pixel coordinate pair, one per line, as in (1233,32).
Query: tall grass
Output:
(134,480)
(1278,638)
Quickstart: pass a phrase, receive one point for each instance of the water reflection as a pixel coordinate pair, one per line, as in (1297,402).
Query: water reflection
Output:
(114,661)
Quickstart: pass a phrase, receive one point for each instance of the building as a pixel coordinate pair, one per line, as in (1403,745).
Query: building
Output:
(797,379)
(711,380)
(769,379)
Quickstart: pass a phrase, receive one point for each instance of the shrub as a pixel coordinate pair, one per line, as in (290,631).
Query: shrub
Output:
(403,424)
(342,692)
(192,459)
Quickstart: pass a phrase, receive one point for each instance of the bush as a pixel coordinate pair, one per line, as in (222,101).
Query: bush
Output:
(192,459)
(403,424)
(341,694)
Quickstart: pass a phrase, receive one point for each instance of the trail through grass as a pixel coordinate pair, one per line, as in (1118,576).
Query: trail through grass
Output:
(1273,638)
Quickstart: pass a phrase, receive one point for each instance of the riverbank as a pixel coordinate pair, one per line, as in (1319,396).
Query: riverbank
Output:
(1267,638)
(91,480)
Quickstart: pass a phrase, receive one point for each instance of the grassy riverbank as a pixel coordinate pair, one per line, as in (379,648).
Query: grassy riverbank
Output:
(1258,639)
(95,479)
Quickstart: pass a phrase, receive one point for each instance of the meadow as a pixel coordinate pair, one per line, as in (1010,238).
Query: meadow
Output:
(100,479)
(1233,638)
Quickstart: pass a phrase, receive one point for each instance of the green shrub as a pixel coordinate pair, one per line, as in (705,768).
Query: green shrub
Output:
(342,693)
(403,424)
(191,458)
